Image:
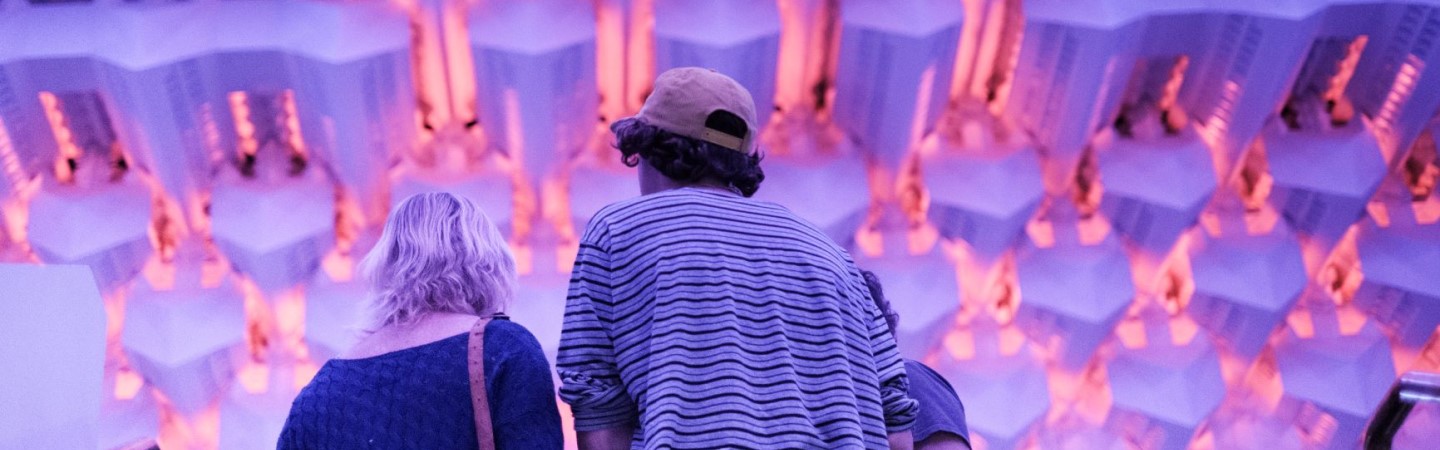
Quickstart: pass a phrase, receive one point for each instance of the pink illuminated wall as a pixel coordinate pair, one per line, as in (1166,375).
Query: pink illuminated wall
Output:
(1109,224)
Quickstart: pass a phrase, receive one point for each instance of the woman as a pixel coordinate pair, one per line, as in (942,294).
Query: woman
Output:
(439,265)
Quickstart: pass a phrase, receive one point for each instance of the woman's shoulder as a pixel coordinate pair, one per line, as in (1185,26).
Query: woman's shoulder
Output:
(511,338)
(502,326)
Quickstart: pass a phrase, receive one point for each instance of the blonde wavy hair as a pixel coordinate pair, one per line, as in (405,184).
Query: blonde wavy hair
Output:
(438,253)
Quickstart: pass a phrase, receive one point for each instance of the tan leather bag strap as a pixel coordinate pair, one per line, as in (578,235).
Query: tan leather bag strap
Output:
(480,399)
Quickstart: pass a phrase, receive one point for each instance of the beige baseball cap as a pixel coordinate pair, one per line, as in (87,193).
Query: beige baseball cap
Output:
(684,98)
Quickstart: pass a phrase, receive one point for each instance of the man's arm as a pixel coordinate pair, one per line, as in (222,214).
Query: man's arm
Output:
(902,440)
(617,438)
(900,410)
(589,376)
(942,441)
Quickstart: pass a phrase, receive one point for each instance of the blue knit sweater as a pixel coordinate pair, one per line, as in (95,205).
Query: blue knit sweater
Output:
(420,398)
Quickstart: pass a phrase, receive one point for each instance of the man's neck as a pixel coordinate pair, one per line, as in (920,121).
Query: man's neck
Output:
(652,181)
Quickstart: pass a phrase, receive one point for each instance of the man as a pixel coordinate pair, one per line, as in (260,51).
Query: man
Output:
(698,318)
(940,421)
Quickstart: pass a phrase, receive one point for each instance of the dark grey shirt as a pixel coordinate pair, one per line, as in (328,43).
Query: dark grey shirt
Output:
(940,407)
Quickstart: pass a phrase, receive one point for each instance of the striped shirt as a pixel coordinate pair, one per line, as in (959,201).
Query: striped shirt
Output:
(706,319)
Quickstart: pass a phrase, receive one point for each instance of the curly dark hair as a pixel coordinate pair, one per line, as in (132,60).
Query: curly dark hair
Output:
(685,159)
(877,293)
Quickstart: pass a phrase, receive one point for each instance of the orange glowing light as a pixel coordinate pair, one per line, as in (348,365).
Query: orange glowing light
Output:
(555,208)
(10,166)
(1183,330)
(292,123)
(610,63)
(1340,274)
(1345,69)
(127,384)
(433,89)
(64,138)
(1302,323)
(200,431)
(800,41)
(640,53)
(1087,393)
(244,125)
(339,264)
(514,127)
(458,62)
(16,213)
(960,344)
(1008,36)
(1093,230)
(305,371)
(1010,340)
(919,122)
(1004,296)
(1041,232)
(254,377)
(1173,282)
(525,201)
(966,61)
(289,313)
(1085,187)
(1399,93)
(1132,334)
(1264,381)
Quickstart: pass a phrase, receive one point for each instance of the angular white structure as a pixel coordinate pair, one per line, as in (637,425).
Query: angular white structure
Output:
(984,196)
(1073,295)
(35,62)
(254,421)
(334,316)
(827,192)
(1155,188)
(535,75)
(105,227)
(1394,78)
(53,374)
(539,300)
(893,72)
(593,186)
(492,191)
(1255,431)
(1345,350)
(126,56)
(1243,57)
(1245,285)
(354,91)
(1174,386)
(184,340)
(739,38)
(347,65)
(1010,385)
(1071,71)
(166,72)
(923,289)
(128,420)
(275,233)
(1323,179)
(1400,289)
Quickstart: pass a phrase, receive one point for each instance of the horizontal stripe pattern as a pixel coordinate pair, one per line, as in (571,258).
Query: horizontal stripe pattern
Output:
(706,319)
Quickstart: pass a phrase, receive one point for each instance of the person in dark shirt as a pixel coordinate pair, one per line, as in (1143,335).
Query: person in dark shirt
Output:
(940,424)
(440,265)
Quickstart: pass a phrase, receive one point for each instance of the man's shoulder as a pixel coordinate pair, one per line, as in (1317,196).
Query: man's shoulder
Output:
(729,207)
